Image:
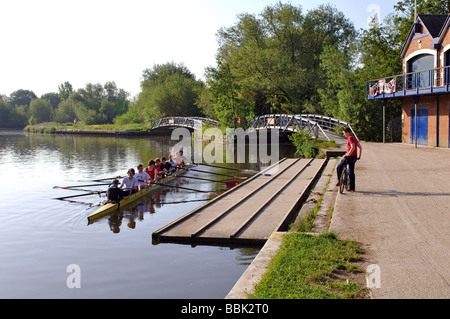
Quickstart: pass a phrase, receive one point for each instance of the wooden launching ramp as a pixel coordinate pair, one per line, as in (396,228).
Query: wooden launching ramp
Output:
(249,213)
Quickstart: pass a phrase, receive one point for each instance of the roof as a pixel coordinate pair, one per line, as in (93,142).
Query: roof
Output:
(434,24)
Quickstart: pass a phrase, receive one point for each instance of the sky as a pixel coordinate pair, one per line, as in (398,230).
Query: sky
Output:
(45,43)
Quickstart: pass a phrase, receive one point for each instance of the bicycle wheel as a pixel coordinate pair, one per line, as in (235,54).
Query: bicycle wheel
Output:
(343,180)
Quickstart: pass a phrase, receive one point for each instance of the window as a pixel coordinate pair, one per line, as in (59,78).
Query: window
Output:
(421,71)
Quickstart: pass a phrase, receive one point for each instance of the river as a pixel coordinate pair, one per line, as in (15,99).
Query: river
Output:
(42,237)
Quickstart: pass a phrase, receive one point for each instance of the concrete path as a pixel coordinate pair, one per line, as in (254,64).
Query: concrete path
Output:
(400,213)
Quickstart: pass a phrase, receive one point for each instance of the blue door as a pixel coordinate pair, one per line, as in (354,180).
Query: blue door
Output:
(422,126)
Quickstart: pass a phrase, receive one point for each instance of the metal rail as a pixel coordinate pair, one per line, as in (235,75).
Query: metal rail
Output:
(311,123)
(409,84)
(188,122)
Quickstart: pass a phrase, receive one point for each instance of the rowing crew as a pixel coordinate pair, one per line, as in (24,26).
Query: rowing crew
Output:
(156,170)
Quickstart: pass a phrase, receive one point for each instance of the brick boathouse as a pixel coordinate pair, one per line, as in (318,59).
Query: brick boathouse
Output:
(424,86)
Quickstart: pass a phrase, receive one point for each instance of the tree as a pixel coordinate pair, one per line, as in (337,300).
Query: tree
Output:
(374,55)
(65,113)
(97,104)
(273,59)
(40,111)
(229,106)
(160,72)
(9,116)
(405,10)
(21,97)
(65,90)
(53,98)
(167,90)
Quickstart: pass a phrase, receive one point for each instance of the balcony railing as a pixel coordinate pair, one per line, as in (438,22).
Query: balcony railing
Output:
(416,83)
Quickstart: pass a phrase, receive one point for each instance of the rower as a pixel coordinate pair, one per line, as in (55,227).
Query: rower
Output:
(114,193)
(166,166)
(158,167)
(172,162)
(180,159)
(151,171)
(141,177)
(130,182)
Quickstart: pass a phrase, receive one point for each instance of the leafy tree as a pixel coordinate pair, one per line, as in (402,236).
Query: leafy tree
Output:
(21,97)
(10,117)
(160,72)
(93,104)
(405,10)
(374,55)
(40,111)
(205,102)
(167,90)
(53,98)
(229,105)
(273,59)
(65,90)
(65,112)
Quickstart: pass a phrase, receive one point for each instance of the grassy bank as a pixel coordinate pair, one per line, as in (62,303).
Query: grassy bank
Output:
(52,127)
(312,267)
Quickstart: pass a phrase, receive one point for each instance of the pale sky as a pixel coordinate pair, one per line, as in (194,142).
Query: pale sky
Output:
(47,42)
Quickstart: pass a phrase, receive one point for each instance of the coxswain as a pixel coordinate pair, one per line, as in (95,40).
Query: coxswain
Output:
(114,193)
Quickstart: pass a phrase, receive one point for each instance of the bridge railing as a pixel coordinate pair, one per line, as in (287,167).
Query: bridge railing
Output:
(329,123)
(311,123)
(189,122)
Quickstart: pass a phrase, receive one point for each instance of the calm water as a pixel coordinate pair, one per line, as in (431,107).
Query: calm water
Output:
(40,237)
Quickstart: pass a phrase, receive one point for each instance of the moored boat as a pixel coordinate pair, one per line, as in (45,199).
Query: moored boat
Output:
(114,206)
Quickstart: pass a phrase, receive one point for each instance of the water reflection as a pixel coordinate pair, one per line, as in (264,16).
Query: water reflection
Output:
(41,237)
(137,212)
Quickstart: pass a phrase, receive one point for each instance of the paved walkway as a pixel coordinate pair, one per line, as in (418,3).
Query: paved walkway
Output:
(401,216)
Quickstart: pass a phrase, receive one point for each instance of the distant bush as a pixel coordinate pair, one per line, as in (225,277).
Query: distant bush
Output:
(306,148)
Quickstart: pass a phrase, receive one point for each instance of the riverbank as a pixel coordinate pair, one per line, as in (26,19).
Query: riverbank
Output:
(105,129)
(308,262)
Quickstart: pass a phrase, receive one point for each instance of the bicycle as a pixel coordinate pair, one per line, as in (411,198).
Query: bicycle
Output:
(344,181)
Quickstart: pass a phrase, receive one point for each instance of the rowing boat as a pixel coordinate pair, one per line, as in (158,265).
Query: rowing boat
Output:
(114,206)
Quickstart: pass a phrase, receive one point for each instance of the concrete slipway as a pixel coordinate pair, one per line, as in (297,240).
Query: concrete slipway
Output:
(251,212)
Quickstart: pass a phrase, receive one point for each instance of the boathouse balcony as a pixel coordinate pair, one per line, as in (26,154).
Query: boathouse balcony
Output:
(434,81)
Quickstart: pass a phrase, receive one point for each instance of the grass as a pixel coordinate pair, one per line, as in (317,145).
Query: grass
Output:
(321,143)
(52,127)
(311,267)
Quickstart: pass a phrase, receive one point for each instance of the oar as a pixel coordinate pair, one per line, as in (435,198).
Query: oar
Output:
(186,188)
(81,195)
(235,177)
(78,186)
(231,169)
(101,180)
